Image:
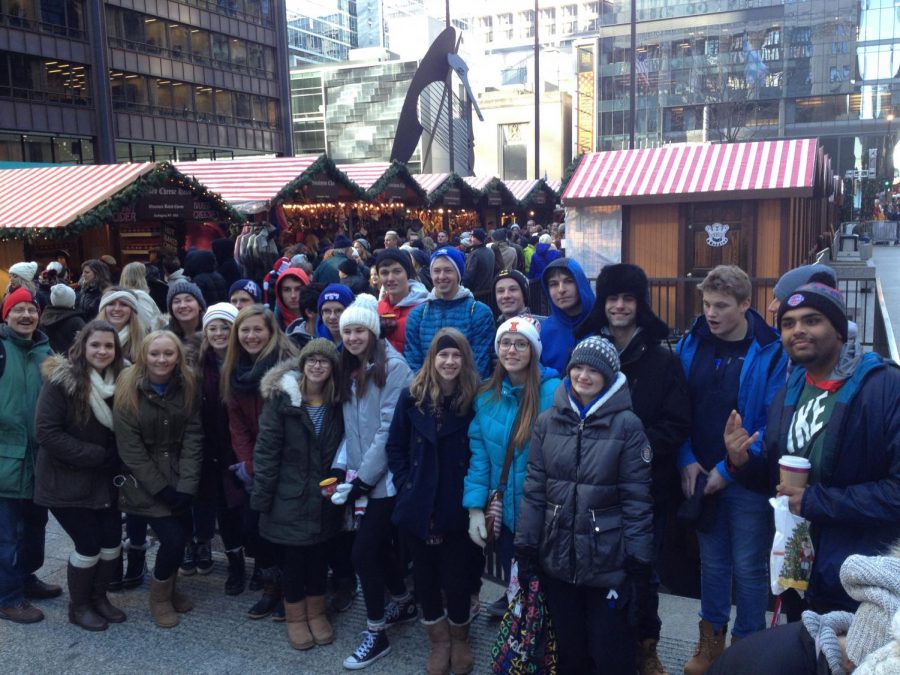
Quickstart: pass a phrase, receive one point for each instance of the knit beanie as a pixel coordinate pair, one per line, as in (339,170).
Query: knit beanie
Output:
(874,581)
(525,326)
(516,276)
(454,256)
(122,295)
(597,353)
(55,266)
(363,312)
(26,270)
(795,278)
(249,287)
(14,298)
(221,310)
(479,234)
(545,239)
(185,287)
(391,255)
(62,296)
(823,299)
(349,267)
(500,234)
(884,661)
(322,347)
(341,242)
(335,293)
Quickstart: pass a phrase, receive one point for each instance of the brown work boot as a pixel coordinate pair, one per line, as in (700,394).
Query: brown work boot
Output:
(439,635)
(462,660)
(180,601)
(319,625)
(298,631)
(21,612)
(709,647)
(35,589)
(161,608)
(106,572)
(648,662)
(81,584)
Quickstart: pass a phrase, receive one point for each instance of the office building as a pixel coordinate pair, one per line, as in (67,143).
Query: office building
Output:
(321,31)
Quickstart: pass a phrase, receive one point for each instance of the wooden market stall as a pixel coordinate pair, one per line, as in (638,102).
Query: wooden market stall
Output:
(451,202)
(680,210)
(536,199)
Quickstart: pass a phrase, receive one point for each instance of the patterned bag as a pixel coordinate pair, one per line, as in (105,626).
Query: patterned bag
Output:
(526,641)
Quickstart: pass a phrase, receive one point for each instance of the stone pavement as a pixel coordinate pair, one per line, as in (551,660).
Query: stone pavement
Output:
(217,637)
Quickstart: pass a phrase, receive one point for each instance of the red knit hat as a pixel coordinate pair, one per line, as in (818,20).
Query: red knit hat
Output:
(14,298)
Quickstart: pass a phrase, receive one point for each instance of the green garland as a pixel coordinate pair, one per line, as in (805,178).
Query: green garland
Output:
(568,173)
(396,170)
(507,198)
(323,165)
(469,196)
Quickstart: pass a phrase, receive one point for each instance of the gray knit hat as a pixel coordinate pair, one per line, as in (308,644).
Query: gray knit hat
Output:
(322,347)
(185,287)
(793,279)
(598,353)
(875,582)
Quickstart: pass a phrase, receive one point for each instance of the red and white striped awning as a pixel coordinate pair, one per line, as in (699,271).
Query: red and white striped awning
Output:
(365,175)
(478,182)
(695,172)
(521,188)
(554,185)
(54,196)
(430,181)
(247,180)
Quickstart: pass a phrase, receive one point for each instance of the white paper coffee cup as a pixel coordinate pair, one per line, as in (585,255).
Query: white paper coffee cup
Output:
(794,470)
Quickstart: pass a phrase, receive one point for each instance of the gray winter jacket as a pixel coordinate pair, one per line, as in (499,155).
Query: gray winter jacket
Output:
(587,503)
(367,420)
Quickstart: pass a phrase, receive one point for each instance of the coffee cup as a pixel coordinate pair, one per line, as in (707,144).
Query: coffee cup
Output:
(328,486)
(794,471)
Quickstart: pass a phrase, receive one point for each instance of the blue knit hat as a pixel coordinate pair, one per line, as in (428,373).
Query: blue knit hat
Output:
(249,287)
(454,256)
(335,293)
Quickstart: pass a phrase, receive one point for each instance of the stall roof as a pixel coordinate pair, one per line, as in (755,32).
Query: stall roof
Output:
(695,172)
(375,177)
(365,175)
(521,189)
(54,196)
(248,180)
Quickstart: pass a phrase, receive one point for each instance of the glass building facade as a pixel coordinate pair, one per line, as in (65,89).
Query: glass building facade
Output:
(321,31)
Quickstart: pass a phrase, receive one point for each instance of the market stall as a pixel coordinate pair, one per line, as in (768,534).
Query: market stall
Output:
(451,202)
(535,199)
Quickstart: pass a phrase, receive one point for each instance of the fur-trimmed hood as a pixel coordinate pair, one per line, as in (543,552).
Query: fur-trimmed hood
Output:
(57,370)
(284,378)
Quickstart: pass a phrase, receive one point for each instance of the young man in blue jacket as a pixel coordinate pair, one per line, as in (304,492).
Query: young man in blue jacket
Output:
(842,413)
(733,361)
(571,300)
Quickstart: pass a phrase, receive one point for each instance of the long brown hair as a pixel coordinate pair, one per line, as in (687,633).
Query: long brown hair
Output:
(376,354)
(330,391)
(425,387)
(529,406)
(129,383)
(81,369)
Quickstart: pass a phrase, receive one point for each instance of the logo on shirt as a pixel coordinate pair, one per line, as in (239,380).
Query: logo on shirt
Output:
(807,422)
(647,454)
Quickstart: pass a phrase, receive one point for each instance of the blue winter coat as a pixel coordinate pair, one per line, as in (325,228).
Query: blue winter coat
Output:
(470,317)
(558,331)
(762,375)
(543,255)
(488,436)
(856,506)
(429,466)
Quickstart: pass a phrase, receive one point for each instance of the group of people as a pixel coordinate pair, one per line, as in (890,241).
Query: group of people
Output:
(341,437)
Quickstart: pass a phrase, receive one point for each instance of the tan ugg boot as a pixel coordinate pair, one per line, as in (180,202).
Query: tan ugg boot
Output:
(161,608)
(648,662)
(439,635)
(180,601)
(319,625)
(462,660)
(298,631)
(709,647)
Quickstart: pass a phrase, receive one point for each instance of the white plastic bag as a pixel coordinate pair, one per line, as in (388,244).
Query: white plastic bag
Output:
(791,560)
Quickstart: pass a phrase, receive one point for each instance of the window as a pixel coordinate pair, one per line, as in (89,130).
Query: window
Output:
(31,77)
(64,17)
(203,103)
(179,40)
(220,50)
(155,34)
(224,105)
(514,151)
(132,27)
(238,52)
(200,45)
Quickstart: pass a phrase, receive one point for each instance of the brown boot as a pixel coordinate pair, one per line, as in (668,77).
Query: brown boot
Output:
(106,572)
(710,645)
(180,601)
(161,608)
(298,631)
(461,659)
(439,658)
(81,582)
(648,662)
(319,625)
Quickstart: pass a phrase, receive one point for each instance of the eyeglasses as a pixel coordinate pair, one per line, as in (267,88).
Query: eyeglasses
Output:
(518,345)
(317,363)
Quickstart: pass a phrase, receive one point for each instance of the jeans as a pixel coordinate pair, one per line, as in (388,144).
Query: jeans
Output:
(737,545)
(22,528)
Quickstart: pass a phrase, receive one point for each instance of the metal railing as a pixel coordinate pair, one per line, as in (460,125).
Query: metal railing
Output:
(883,332)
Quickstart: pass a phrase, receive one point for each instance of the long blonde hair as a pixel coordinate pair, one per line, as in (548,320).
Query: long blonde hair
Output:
(134,276)
(136,329)
(129,383)
(529,406)
(425,387)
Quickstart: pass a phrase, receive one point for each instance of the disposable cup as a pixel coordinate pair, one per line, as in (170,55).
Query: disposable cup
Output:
(328,486)
(794,471)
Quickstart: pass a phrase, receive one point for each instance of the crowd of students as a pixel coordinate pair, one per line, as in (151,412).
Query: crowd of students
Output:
(339,438)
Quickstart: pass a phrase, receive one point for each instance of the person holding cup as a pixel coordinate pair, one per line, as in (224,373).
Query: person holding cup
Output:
(300,430)
(842,416)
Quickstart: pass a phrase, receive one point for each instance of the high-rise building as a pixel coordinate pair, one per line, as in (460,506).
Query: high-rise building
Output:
(321,31)
(117,80)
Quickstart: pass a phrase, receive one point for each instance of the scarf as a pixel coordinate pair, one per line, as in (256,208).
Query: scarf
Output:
(124,335)
(247,374)
(102,389)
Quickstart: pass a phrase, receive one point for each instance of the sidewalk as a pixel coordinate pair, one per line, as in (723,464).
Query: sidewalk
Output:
(887,268)
(217,637)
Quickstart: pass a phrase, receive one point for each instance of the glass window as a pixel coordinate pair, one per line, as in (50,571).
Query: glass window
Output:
(123,152)
(11,148)
(203,103)
(258,108)
(38,149)
(255,57)
(224,105)
(179,40)
(5,80)
(242,106)
(220,48)
(238,52)
(155,33)
(141,152)
(181,97)
(87,150)
(272,110)
(163,94)
(132,27)
(270,60)
(21,13)
(164,153)
(199,45)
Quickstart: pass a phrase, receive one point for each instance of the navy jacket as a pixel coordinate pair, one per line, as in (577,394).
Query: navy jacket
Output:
(856,507)
(428,468)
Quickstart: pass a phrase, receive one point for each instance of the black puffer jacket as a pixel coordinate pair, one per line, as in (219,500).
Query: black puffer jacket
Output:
(60,325)
(586,504)
(200,266)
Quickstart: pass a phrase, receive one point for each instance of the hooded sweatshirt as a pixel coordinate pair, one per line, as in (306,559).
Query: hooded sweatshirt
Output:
(284,315)
(543,255)
(558,331)
(416,296)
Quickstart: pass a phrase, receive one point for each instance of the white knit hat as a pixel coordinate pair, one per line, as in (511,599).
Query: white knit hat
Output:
(55,266)
(62,296)
(875,582)
(26,270)
(884,661)
(221,310)
(525,326)
(122,295)
(363,311)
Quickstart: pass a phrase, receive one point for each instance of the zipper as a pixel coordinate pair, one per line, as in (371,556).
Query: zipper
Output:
(575,501)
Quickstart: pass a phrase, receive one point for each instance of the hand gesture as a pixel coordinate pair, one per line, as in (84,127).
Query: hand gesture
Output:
(737,440)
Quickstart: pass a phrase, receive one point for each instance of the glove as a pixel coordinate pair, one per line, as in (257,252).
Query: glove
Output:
(477,529)
(640,592)
(241,473)
(339,498)
(340,474)
(178,502)
(353,491)
(527,557)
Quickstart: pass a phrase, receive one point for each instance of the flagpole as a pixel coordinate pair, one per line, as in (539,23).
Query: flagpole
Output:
(632,84)
(537,96)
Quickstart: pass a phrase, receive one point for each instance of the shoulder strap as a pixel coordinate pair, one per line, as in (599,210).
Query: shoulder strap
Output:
(507,461)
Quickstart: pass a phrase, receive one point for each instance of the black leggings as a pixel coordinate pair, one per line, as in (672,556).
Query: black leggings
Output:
(340,552)
(374,557)
(90,529)
(173,533)
(264,552)
(304,571)
(442,567)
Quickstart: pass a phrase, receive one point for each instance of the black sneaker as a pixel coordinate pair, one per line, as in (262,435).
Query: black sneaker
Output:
(497,609)
(204,557)
(400,611)
(189,561)
(373,646)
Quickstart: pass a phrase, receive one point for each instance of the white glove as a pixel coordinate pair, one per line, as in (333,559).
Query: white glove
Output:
(342,491)
(477,529)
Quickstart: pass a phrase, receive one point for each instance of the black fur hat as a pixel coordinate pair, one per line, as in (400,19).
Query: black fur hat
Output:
(615,280)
